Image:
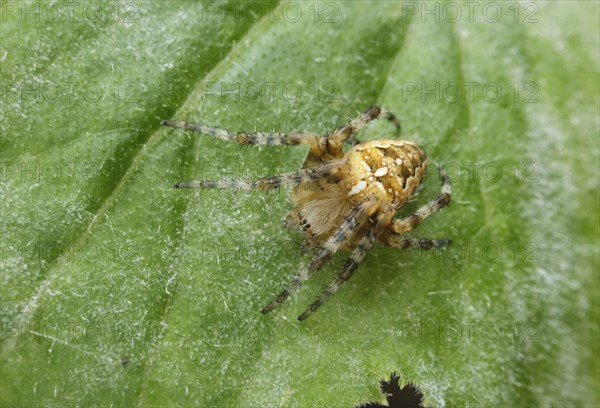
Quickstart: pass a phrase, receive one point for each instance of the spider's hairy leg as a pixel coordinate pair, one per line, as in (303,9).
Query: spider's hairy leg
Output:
(355,219)
(337,138)
(382,220)
(316,142)
(390,117)
(351,265)
(292,179)
(420,243)
(406,224)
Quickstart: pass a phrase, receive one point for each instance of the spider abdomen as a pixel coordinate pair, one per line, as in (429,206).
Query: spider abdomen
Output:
(388,169)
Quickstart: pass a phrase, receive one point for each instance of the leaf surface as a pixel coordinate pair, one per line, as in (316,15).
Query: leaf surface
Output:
(118,289)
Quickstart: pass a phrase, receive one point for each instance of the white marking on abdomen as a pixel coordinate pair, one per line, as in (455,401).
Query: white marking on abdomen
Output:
(381,172)
(360,186)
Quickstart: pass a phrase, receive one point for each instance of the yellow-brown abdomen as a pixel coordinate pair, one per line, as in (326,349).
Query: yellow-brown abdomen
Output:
(389,169)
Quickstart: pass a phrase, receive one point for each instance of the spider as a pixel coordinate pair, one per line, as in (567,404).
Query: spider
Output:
(344,201)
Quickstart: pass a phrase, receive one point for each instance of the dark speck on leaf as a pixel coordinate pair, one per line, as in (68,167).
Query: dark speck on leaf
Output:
(407,397)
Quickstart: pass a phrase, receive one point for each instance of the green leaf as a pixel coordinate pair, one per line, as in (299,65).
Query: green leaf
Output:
(117,289)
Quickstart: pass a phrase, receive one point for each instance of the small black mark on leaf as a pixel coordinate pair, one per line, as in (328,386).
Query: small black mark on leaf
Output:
(407,397)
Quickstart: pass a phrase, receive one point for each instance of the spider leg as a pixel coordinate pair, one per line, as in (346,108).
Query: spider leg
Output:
(351,265)
(406,224)
(358,253)
(419,243)
(317,143)
(337,138)
(292,179)
(357,217)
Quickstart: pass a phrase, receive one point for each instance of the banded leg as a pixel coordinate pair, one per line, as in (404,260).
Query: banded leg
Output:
(337,138)
(267,183)
(419,243)
(351,265)
(357,217)
(406,224)
(317,143)
(358,253)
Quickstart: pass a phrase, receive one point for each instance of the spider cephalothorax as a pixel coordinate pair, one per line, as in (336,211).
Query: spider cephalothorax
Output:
(344,201)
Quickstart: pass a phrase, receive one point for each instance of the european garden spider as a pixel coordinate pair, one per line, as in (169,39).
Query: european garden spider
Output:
(343,201)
